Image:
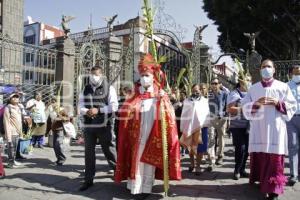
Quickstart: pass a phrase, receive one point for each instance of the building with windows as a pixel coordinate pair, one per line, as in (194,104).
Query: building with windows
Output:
(39,64)
(11,29)
(36,32)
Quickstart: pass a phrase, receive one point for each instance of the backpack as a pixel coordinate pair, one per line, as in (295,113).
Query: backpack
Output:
(2,108)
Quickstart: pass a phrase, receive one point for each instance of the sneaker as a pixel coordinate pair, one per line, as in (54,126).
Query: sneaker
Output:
(210,168)
(86,185)
(17,163)
(292,181)
(191,169)
(236,176)
(13,165)
(20,157)
(199,171)
(59,163)
(219,161)
(244,174)
(40,146)
(111,171)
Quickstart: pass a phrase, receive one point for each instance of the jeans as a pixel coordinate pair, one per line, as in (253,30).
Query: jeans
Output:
(240,138)
(37,139)
(12,148)
(59,146)
(293,129)
(217,128)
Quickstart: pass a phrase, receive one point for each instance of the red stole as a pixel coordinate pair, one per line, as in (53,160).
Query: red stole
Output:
(128,141)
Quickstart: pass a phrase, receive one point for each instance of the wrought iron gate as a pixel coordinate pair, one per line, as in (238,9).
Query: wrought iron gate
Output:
(28,67)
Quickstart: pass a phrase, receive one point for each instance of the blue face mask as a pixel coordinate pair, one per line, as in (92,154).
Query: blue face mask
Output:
(296,78)
(267,72)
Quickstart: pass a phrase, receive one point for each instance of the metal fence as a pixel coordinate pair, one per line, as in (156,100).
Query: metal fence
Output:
(30,68)
(283,69)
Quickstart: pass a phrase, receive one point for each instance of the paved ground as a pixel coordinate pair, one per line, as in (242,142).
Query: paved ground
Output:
(39,178)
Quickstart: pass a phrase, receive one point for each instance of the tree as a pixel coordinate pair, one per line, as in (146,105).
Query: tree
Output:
(277,20)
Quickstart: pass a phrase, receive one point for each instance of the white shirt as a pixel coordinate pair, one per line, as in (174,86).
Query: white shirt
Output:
(268,132)
(38,112)
(110,108)
(296,92)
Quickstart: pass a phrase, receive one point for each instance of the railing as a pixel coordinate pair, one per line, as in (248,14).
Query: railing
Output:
(28,67)
(80,35)
(283,69)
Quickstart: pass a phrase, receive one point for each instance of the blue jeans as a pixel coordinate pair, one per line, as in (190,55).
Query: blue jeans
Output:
(12,149)
(293,129)
(240,138)
(37,139)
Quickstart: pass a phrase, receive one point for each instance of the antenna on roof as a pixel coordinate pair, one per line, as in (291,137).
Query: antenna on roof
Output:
(91,22)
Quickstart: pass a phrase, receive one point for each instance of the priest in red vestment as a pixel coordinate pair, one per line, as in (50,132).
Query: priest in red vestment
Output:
(140,144)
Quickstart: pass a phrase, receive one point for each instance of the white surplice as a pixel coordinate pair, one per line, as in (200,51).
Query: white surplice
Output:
(195,113)
(268,132)
(145,173)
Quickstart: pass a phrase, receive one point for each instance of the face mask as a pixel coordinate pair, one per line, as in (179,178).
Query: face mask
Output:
(146,81)
(196,95)
(249,84)
(267,72)
(95,80)
(296,78)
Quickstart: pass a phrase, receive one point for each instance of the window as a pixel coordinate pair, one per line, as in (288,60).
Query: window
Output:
(29,57)
(29,39)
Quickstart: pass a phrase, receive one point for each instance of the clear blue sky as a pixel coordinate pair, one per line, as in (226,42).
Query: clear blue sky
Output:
(187,13)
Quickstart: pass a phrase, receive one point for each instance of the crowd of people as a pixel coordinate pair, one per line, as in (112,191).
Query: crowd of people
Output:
(143,133)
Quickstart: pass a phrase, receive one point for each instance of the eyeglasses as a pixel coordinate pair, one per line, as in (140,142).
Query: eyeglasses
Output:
(214,83)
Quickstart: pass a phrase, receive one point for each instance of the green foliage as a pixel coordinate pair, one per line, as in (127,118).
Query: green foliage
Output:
(278,21)
(180,75)
(149,17)
(241,70)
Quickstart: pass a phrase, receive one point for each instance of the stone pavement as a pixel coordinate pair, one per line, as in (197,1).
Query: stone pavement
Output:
(39,178)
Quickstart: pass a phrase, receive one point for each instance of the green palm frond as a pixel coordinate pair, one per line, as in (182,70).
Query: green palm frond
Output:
(180,75)
(162,59)
(149,15)
(58,96)
(241,71)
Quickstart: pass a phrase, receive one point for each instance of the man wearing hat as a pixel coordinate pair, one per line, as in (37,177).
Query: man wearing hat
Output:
(140,152)
(12,121)
(293,128)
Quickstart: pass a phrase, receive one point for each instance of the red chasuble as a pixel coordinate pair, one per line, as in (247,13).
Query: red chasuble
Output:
(129,134)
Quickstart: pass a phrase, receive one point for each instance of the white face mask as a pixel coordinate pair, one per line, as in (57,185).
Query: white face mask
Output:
(296,78)
(146,81)
(267,72)
(249,84)
(95,80)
